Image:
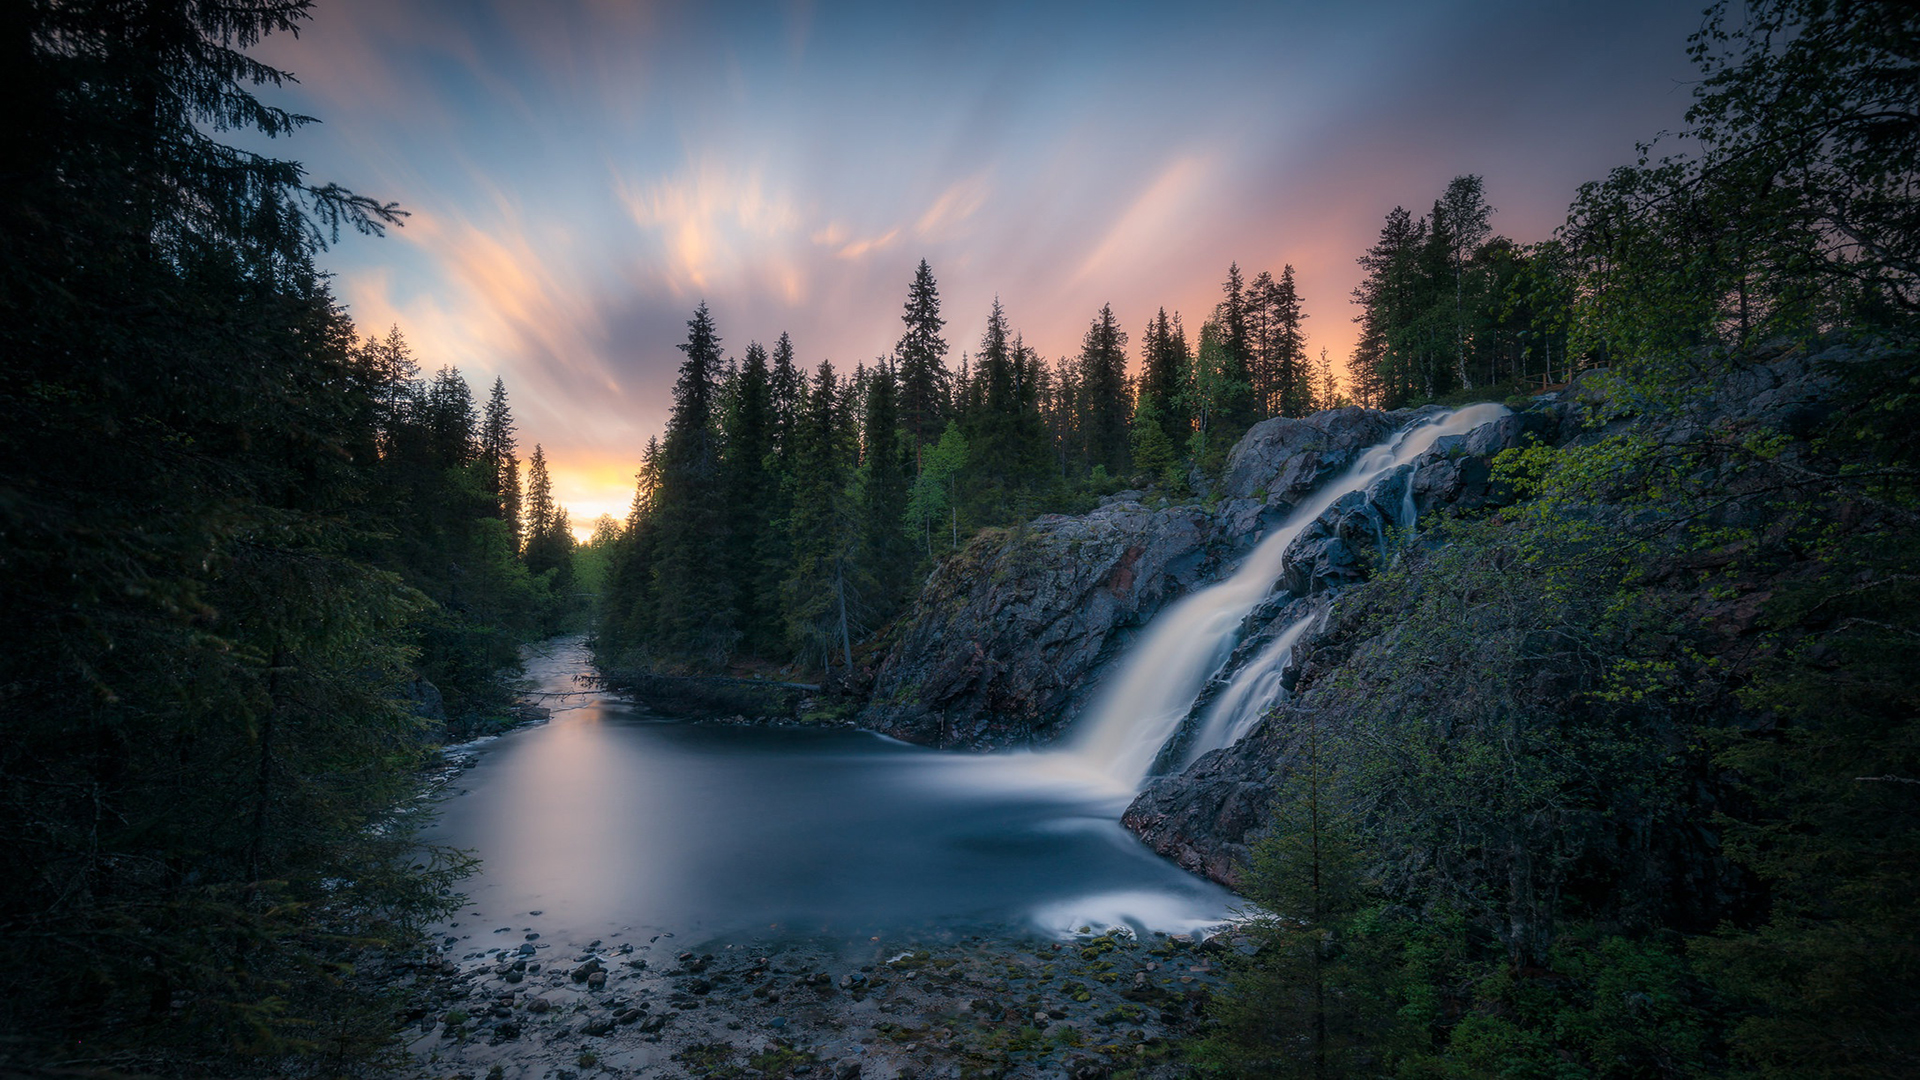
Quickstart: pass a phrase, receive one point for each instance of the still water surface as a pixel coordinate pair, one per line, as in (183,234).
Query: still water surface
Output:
(609,819)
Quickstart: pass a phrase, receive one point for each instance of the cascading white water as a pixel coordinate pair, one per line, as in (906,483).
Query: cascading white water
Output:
(1253,688)
(1155,683)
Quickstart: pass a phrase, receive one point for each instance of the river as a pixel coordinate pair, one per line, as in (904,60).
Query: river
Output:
(609,820)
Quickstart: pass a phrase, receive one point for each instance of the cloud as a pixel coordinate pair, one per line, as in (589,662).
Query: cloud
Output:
(955,205)
(711,223)
(1151,225)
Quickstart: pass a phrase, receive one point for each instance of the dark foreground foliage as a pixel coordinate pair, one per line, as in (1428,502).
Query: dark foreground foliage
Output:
(226,527)
(1624,780)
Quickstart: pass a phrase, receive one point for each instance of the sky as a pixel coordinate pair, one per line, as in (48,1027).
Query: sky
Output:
(580,174)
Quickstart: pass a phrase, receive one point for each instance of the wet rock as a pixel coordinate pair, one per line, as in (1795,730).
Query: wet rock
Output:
(597,1025)
(1283,459)
(999,647)
(597,981)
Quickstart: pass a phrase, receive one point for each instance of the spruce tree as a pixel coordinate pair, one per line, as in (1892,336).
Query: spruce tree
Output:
(921,355)
(1461,218)
(1163,374)
(1391,365)
(541,512)
(751,489)
(628,629)
(1104,393)
(1263,365)
(452,424)
(497,453)
(1231,316)
(1292,372)
(820,596)
(1006,439)
(696,618)
(1153,453)
(886,474)
(786,386)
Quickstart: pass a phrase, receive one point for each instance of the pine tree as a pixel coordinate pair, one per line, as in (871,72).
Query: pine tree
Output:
(202,670)
(785,388)
(627,629)
(1006,439)
(1392,364)
(921,355)
(1153,453)
(1216,396)
(751,490)
(1293,372)
(1460,217)
(541,512)
(1164,362)
(820,596)
(1104,394)
(451,422)
(886,474)
(1328,396)
(1263,366)
(497,449)
(1301,1008)
(1231,315)
(696,617)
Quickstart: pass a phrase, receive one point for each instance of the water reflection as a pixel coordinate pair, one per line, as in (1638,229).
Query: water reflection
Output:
(607,819)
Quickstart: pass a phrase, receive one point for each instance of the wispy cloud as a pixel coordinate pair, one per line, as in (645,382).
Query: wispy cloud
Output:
(955,205)
(582,172)
(711,222)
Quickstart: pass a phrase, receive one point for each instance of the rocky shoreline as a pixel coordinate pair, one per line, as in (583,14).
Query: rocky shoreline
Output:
(766,1009)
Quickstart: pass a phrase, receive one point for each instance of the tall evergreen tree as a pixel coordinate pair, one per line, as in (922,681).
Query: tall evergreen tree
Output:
(1460,217)
(1292,371)
(751,489)
(696,615)
(497,453)
(886,474)
(1006,439)
(1164,361)
(821,593)
(921,356)
(452,424)
(1392,363)
(1105,397)
(541,512)
(785,388)
(1234,412)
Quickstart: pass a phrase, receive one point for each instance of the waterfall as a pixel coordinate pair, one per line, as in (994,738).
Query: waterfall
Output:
(1154,685)
(1254,687)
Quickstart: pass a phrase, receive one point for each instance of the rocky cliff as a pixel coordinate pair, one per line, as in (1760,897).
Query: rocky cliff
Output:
(1010,636)
(1204,817)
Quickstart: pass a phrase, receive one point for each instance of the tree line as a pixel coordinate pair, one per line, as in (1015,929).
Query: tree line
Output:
(787,513)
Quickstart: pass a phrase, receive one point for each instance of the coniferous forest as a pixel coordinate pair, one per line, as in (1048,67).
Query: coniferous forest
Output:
(1615,774)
